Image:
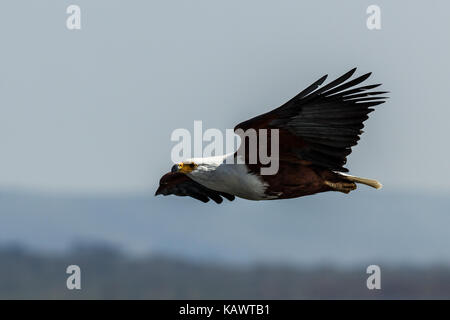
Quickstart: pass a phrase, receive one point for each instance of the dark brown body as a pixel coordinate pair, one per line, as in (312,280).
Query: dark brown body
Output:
(296,180)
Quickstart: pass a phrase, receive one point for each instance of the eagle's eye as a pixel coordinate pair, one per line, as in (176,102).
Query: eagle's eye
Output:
(184,167)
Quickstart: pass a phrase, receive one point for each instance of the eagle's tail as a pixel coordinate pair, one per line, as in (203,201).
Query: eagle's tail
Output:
(369,182)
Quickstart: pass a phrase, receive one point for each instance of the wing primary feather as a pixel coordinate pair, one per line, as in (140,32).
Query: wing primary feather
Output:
(355,90)
(311,88)
(334,83)
(349,84)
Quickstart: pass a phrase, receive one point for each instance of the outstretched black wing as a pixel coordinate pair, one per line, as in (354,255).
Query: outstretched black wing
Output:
(179,184)
(320,125)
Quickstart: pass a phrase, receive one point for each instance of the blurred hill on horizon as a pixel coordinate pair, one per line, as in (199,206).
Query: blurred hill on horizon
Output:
(145,247)
(107,273)
(325,229)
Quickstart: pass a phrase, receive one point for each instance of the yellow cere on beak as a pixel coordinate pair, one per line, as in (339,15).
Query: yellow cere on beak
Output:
(186,167)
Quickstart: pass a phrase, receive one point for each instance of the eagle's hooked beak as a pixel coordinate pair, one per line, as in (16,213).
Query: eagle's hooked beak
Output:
(184,167)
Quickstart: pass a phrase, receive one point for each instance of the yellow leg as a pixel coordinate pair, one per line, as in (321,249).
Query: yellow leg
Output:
(344,187)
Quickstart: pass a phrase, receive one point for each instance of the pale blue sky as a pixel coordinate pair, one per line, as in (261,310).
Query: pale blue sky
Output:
(92,110)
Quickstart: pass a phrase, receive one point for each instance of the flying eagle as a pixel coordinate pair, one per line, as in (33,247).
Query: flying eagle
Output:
(317,129)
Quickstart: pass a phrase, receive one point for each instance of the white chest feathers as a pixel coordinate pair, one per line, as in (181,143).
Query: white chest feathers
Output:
(214,173)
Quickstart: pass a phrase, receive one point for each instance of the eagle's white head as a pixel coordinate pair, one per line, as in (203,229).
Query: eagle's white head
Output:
(199,166)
